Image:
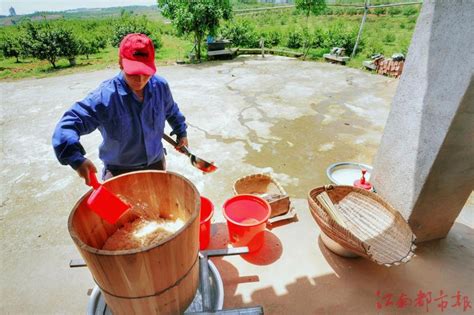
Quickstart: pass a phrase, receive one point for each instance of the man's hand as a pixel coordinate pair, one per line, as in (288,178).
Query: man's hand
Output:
(84,169)
(182,142)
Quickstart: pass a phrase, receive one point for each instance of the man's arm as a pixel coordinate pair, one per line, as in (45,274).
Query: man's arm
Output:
(174,116)
(79,120)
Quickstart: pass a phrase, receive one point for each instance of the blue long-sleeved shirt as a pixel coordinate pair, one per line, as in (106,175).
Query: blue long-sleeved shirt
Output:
(131,130)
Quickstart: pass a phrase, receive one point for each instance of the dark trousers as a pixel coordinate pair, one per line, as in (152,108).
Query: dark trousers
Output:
(159,166)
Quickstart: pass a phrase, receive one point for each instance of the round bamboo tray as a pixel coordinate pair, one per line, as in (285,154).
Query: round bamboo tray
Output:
(158,279)
(375,230)
(336,248)
(266,187)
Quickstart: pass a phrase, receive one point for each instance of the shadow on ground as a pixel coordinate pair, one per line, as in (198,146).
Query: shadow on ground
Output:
(353,287)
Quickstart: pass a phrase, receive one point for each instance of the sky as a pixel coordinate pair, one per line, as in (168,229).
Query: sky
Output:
(30,6)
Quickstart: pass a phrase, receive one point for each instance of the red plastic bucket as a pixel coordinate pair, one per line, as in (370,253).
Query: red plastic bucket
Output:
(246,217)
(207,210)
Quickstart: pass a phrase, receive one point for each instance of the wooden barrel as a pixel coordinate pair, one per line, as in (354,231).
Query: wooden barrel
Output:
(161,278)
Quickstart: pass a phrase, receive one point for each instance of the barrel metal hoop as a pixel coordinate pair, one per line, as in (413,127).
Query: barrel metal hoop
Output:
(157,293)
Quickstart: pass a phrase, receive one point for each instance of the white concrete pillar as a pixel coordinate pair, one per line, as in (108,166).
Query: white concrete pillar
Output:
(425,164)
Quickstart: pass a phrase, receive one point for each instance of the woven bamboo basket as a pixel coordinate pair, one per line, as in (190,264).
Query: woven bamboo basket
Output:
(375,230)
(268,188)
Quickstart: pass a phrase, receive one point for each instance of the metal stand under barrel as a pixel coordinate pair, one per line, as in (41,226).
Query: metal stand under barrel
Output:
(209,297)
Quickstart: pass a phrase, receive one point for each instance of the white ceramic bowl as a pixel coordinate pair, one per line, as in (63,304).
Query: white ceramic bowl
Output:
(346,173)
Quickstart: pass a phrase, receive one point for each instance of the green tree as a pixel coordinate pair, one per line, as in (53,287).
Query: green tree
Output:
(241,33)
(11,47)
(318,37)
(40,43)
(68,43)
(128,24)
(197,17)
(341,35)
(295,39)
(91,45)
(51,42)
(308,7)
(273,38)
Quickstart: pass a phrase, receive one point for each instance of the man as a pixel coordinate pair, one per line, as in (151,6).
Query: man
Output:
(130,112)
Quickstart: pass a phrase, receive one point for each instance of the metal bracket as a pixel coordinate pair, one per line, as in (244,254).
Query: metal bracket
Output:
(204,271)
(204,281)
(75,263)
(225,251)
(256,310)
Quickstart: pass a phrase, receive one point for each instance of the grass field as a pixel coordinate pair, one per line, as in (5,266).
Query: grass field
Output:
(383,33)
(173,49)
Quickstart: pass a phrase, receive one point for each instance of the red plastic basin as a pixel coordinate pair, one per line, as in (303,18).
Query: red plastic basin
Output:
(247,216)
(207,210)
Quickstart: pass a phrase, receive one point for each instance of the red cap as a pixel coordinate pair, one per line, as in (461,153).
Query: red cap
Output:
(138,54)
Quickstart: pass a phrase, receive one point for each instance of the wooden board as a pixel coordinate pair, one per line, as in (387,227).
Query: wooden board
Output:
(222,54)
(334,58)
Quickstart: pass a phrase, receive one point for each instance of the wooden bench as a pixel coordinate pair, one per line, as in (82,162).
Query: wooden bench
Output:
(336,59)
(228,53)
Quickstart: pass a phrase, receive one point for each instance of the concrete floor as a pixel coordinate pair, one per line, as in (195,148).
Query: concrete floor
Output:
(277,115)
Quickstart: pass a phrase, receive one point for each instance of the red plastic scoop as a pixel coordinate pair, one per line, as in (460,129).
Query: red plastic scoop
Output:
(107,205)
